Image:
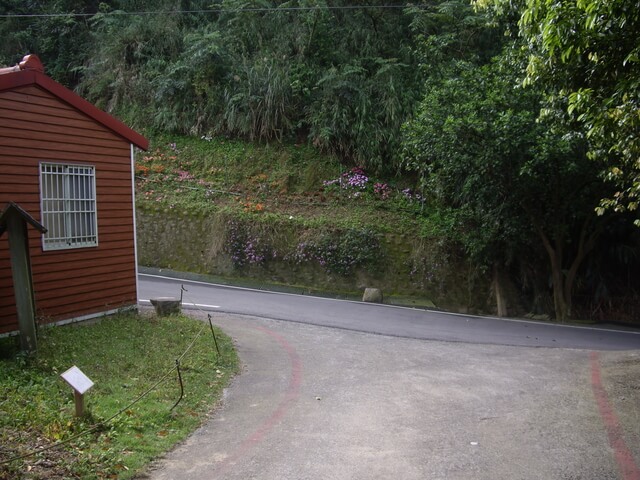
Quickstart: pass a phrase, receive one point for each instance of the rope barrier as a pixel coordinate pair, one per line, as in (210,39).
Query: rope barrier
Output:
(92,428)
(131,404)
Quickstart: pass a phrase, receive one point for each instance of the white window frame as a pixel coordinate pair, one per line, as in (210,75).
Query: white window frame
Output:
(68,205)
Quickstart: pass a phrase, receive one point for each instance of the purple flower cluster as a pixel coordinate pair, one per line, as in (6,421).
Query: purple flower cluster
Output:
(354,179)
(312,252)
(339,252)
(411,195)
(251,254)
(302,253)
(246,249)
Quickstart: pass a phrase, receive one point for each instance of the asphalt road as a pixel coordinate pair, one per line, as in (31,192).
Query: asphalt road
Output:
(341,390)
(333,404)
(386,320)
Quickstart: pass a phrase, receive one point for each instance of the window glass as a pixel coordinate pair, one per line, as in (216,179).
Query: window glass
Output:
(68,206)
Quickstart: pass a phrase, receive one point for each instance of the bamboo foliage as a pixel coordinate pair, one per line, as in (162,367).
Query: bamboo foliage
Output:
(257,104)
(360,111)
(119,76)
(344,79)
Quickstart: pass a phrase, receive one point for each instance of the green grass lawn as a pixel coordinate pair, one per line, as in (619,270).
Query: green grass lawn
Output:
(124,355)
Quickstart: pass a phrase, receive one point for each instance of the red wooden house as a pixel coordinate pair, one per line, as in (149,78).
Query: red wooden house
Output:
(70,166)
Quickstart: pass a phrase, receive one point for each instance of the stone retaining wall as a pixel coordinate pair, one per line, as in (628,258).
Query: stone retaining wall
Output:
(178,241)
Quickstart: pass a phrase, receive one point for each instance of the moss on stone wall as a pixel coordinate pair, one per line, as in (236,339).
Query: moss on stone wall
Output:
(407,266)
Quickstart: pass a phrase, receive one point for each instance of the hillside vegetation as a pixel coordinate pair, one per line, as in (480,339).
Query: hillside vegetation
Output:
(290,205)
(264,205)
(213,174)
(503,135)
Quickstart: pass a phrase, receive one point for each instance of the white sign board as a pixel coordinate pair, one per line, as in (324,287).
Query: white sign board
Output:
(78,380)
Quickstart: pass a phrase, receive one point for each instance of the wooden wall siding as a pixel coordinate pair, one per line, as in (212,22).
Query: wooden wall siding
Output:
(36,126)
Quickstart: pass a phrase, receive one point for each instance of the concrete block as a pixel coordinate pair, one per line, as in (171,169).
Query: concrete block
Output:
(166,305)
(372,295)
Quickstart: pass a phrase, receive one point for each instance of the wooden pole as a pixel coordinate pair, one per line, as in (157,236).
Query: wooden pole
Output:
(21,271)
(80,384)
(79,398)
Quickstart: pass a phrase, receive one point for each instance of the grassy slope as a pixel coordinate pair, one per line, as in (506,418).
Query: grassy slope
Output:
(124,355)
(286,181)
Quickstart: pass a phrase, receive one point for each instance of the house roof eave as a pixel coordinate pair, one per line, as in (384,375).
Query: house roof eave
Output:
(16,77)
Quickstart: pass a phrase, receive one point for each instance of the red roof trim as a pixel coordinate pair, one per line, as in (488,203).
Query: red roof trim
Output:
(22,78)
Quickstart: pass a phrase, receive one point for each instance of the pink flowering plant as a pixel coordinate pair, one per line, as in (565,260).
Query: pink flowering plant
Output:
(357,184)
(245,248)
(341,252)
(382,190)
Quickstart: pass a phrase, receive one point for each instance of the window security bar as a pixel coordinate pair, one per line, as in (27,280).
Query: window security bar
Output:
(68,206)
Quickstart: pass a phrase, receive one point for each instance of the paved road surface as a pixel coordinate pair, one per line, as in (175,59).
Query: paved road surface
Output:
(333,404)
(393,393)
(388,320)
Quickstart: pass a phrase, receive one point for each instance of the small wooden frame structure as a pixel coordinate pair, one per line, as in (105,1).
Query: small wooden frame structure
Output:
(14,220)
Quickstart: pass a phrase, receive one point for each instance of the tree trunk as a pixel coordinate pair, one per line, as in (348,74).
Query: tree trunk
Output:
(498,291)
(559,299)
(563,285)
(586,243)
(557,278)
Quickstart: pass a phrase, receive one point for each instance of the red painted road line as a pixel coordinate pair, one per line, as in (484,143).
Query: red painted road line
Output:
(291,395)
(293,392)
(624,457)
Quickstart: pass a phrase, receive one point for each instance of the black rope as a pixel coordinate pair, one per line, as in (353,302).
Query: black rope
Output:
(122,410)
(212,11)
(90,429)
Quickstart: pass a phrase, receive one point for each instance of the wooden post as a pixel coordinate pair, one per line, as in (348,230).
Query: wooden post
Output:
(21,271)
(15,219)
(79,398)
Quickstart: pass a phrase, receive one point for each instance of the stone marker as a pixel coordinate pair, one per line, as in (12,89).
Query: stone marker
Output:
(372,295)
(166,305)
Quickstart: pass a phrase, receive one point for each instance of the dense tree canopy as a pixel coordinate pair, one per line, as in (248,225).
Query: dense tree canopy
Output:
(513,184)
(586,55)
